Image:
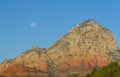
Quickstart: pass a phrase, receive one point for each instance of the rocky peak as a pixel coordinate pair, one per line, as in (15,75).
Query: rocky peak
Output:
(35,47)
(89,22)
(83,48)
(86,26)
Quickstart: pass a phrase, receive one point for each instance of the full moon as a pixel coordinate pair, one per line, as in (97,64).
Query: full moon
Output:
(33,24)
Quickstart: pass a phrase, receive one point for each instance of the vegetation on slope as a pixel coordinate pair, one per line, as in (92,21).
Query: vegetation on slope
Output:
(112,70)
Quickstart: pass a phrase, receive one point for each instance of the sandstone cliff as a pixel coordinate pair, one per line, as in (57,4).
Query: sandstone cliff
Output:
(26,64)
(83,48)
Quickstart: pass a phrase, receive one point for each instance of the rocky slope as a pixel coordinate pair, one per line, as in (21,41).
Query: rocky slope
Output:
(115,55)
(26,64)
(83,48)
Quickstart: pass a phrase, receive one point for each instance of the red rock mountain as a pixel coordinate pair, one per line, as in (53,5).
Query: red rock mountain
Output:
(83,48)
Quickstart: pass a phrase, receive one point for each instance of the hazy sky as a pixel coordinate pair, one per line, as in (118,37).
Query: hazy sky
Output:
(24,23)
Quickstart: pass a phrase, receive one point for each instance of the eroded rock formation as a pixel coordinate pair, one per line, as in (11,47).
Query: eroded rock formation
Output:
(83,48)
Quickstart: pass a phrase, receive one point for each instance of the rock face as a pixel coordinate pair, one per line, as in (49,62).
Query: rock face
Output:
(7,63)
(115,55)
(28,63)
(83,48)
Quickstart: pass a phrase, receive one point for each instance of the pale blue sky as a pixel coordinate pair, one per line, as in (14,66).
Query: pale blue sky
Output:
(24,23)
